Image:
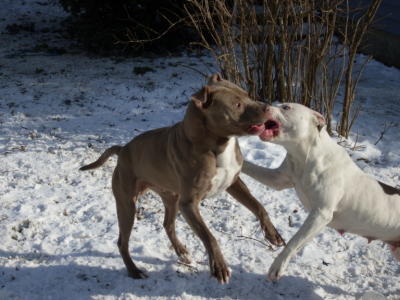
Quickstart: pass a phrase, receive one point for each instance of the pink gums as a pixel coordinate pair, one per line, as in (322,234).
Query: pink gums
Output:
(271,130)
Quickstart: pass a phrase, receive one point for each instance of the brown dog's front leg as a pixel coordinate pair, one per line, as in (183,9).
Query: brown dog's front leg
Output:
(218,267)
(241,193)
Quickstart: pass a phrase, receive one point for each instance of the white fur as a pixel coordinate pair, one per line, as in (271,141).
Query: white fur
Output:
(227,168)
(335,192)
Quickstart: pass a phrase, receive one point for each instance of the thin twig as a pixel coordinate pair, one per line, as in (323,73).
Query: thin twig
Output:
(242,237)
(193,69)
(223,232)
(355,147)
(189,266)
(385,130)
(325,271)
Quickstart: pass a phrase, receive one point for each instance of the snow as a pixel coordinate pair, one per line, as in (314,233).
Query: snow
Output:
(59,227)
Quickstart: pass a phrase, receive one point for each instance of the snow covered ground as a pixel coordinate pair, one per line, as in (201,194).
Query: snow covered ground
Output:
(58,226)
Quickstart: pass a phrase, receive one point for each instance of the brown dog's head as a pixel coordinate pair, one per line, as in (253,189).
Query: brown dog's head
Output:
(228,110)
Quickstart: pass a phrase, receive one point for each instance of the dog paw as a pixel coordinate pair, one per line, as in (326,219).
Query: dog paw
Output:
(273,236)
(219,270)
(277,269)
(137,274)
(186,259)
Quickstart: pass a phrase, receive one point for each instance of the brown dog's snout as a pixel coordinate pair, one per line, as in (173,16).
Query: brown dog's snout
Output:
(265,108)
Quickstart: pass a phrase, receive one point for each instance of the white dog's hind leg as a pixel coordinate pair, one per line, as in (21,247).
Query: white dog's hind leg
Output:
(315,222)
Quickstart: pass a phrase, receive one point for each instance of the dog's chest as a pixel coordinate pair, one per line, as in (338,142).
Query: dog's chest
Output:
(227,168)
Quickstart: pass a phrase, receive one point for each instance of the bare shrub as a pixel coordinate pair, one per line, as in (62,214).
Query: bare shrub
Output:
(286,50)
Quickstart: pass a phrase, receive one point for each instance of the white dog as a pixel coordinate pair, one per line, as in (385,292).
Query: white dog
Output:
(335,192)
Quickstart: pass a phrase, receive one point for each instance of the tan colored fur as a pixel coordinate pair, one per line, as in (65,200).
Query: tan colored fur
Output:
(180,164)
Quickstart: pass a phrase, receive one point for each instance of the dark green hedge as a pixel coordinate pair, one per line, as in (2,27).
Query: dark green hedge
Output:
(99,24)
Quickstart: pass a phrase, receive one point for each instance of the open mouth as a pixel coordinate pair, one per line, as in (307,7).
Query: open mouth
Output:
(271,130)
(256,129)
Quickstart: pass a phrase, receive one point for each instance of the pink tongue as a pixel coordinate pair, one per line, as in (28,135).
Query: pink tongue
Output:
(267,134)
(256,129)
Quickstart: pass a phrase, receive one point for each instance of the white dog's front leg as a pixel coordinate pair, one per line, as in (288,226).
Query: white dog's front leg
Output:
(273,178)
(315,222)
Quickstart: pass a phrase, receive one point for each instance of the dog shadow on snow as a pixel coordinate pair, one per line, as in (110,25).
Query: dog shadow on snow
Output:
(50,276)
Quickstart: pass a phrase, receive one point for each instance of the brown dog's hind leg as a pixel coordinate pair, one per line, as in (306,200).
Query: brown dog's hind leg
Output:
(241,193)
(170,201)
(126,197)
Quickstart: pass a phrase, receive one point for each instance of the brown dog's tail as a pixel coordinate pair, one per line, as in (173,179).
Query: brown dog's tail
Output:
(114,150)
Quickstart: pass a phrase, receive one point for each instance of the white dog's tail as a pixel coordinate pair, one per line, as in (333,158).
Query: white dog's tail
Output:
(114,150)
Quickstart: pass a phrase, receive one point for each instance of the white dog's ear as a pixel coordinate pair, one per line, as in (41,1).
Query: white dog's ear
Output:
(202,98)
(320,120)
(214,78)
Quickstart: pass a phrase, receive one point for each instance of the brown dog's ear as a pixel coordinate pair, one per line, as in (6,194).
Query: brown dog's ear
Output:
(320,120)
(214,78)
(202,98)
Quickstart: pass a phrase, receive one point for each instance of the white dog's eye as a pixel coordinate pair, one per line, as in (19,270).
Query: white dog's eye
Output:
(286,107)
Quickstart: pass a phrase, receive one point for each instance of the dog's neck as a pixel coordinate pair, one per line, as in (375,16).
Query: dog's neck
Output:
(307,150)
(195,129)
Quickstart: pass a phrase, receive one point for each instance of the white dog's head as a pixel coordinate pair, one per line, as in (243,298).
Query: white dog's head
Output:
(288,122)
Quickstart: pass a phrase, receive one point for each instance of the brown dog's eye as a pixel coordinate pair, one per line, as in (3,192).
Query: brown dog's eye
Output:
(238,105)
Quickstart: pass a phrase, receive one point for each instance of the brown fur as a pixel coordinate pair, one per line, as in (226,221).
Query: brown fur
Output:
(179,163)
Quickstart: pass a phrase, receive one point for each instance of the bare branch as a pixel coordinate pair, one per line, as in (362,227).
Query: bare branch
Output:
(386,130)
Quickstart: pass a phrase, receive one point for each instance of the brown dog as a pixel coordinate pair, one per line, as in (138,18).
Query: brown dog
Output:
(195,159)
